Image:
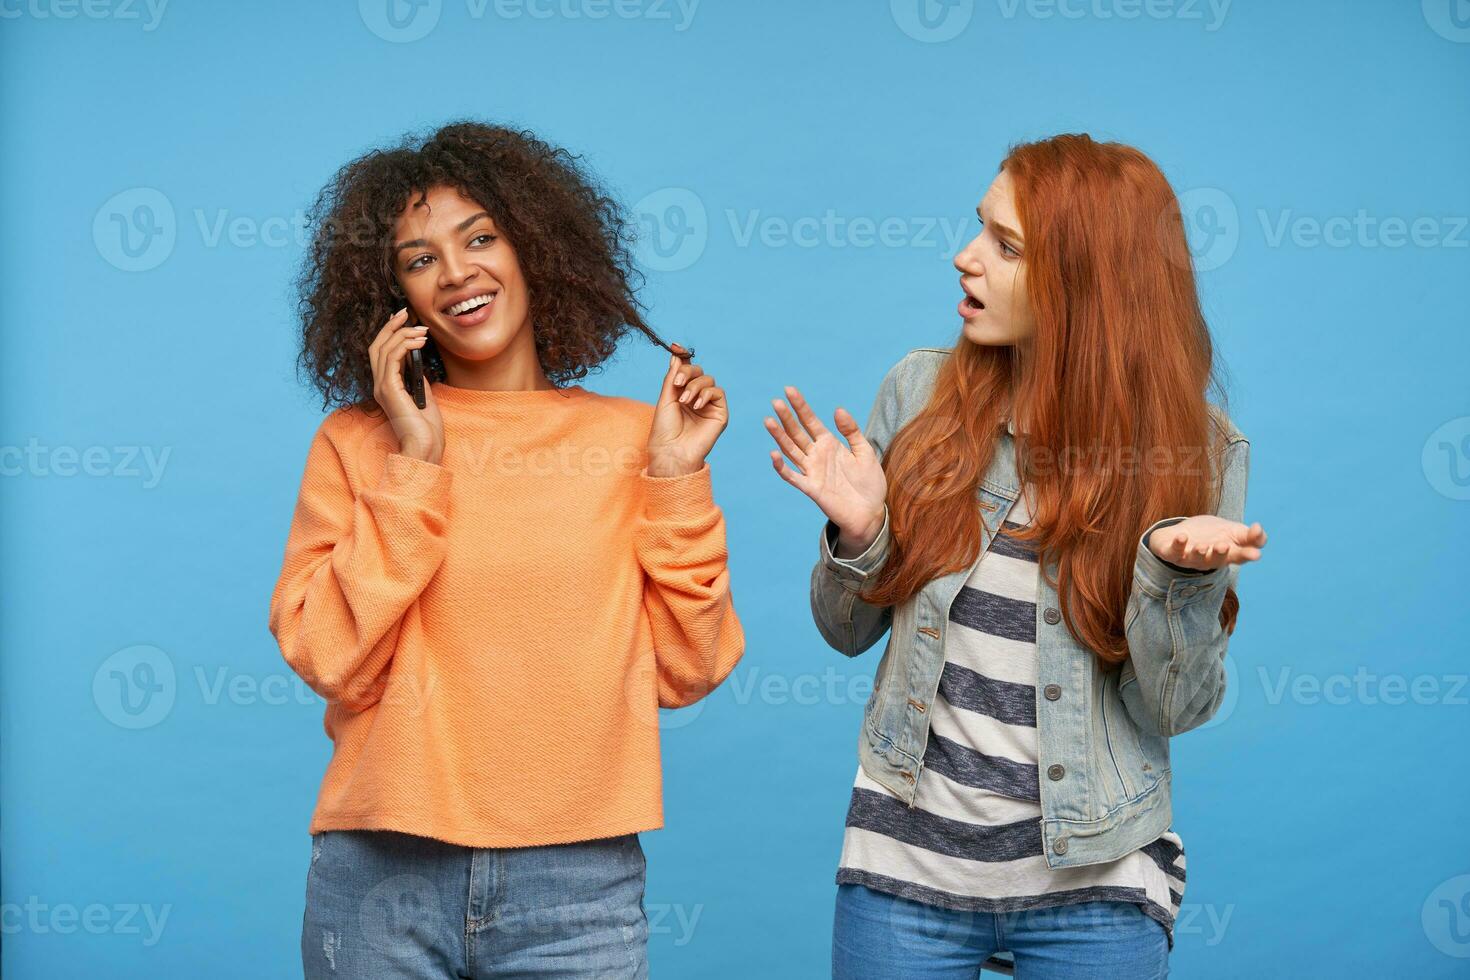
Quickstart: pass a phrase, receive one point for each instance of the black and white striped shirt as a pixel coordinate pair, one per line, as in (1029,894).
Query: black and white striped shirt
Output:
(972,839)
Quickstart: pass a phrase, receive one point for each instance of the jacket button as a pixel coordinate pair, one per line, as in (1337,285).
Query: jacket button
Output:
(1052,616)
(1052,691)
(1059,846)
(1055,771)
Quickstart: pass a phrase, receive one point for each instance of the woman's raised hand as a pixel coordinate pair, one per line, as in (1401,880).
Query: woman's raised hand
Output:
(689,416)
(845,480)
(420,432)
(1207,542)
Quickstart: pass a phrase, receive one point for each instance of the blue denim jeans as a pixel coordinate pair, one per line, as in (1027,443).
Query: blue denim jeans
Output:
(385,904)
(877,935)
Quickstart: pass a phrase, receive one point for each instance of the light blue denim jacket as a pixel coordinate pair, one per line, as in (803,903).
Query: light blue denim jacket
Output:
(1103,736)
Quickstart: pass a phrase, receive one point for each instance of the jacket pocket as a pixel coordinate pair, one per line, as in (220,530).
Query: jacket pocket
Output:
(1120,737)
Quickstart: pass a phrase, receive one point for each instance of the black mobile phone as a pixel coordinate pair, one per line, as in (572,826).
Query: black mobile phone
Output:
(413,367)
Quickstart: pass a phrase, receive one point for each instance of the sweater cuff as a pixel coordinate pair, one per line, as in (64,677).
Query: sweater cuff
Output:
(677,497)
(408,476)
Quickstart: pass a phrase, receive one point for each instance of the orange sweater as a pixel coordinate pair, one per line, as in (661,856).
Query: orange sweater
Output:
(494,633)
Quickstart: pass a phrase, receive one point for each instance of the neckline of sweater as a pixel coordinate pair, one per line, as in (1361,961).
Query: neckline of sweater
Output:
(480,398)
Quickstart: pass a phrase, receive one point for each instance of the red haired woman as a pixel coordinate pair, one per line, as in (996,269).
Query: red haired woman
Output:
(1048,519)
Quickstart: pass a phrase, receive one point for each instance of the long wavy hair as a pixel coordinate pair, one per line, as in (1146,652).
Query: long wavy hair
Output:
(573,240)
(1119,429)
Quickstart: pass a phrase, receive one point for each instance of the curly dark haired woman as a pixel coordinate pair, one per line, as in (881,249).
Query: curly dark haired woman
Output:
(497,591)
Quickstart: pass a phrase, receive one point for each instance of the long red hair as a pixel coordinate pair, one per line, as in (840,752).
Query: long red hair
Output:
(1119,432)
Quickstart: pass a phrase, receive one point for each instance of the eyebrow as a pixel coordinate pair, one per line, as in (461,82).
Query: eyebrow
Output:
(463,225)
(1002,229)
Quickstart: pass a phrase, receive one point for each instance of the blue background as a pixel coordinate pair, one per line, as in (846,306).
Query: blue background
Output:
(1326,831)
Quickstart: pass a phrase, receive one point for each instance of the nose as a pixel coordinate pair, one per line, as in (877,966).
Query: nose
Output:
(968,260)
(454,270)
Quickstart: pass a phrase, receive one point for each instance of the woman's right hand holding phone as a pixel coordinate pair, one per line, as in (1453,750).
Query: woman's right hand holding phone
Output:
(845,480)
(420,432)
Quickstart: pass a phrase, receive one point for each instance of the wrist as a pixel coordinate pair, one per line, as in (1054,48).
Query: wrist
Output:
(665,468)
(851,543)
(424,454)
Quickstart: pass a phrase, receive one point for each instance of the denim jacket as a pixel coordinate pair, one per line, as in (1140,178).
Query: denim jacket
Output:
(1103,736)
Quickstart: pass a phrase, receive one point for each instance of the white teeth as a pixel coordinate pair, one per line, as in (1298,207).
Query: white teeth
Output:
(474,302)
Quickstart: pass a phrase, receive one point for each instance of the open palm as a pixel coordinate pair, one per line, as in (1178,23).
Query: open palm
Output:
(845,480)
(1207,542)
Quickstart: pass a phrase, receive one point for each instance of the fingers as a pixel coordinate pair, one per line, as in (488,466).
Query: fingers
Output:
(1217,553)
(388,347)
(405,340)
(693,388)
(391,324)
(687,372)
(392,348)
(384,332)
(788,474)
(790,448)
(711,396)
(851,431)
(791,426)
(1254,535)
(804,413)
(1210,543)
(680,373)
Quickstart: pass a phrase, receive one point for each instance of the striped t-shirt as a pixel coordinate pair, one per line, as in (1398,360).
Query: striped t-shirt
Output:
(972,839)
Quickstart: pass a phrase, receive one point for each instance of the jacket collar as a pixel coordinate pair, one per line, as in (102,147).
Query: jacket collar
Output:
(1000,477)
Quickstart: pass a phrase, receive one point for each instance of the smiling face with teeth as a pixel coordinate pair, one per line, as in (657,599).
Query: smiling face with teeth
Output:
(994,307)
(463,278)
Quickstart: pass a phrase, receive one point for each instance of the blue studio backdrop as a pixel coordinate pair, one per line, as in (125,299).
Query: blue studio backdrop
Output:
(803,174)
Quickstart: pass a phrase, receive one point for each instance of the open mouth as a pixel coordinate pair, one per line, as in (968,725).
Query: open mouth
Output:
(971,303)
(474,308)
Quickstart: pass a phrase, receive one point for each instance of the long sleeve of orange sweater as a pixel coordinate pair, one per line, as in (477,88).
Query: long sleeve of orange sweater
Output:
(494,633)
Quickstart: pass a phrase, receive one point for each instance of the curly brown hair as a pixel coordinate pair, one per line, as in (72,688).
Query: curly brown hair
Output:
(568,232)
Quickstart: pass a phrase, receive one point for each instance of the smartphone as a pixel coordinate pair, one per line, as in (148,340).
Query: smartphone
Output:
(413,367)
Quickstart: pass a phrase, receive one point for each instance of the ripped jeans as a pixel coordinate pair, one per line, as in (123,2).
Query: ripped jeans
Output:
(382,904)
